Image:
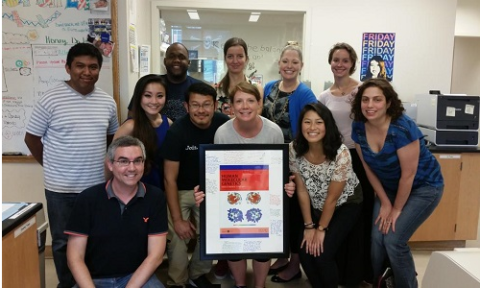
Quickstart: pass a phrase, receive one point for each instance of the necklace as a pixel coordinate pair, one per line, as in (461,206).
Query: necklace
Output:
(276,96)
(340,89)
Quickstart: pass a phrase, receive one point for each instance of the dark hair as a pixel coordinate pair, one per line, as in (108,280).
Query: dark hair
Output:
(202,89)
(142,127)
(177,43)
(235,41)
(351,53)
(394,111)
(332,139)
(381,64)
(124,141)
(246,88)
(84,49)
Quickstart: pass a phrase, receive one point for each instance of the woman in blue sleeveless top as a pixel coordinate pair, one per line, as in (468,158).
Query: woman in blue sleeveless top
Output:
(148,125)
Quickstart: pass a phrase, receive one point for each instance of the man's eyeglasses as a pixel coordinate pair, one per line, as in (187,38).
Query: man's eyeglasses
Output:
(126,162)
(205,106)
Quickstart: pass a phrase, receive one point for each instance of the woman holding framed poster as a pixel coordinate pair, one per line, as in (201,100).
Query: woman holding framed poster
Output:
(328,190)
(248,128)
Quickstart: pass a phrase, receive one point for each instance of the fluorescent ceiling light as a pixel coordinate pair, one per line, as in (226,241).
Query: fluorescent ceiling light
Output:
(254,16)
(193,14)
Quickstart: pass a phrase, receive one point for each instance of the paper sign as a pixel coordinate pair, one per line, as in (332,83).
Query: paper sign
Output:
(450,112)
(469,109)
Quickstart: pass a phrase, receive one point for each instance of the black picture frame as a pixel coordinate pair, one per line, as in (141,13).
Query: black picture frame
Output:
(243,216)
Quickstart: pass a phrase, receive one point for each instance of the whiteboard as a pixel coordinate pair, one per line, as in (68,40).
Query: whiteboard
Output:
(36,37)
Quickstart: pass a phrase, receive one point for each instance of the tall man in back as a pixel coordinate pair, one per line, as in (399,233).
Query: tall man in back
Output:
(176,62)
(68,133)
(181,166)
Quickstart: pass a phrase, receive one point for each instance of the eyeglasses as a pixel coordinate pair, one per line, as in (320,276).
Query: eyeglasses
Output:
(126,162)
(196,106)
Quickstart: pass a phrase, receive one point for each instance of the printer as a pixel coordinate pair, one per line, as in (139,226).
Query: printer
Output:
(449,120)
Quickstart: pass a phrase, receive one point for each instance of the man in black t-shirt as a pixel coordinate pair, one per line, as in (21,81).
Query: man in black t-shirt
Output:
(176,61)
(181,166)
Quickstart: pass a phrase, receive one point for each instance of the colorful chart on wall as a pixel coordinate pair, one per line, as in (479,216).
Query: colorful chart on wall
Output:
(36,37)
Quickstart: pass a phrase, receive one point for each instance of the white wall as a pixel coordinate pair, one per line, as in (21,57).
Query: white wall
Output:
(424,41)
(466,57)
(468,18)
(142,22)
(466,66)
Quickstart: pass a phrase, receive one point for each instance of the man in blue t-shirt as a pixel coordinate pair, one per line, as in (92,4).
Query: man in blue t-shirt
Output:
(176,61)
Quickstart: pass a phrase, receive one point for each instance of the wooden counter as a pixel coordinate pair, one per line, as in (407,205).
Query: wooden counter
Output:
(20,264)
(456,217)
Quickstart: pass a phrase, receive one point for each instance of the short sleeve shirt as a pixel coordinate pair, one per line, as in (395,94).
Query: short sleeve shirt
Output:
(386,165)
(317,177)
(182,143)
(74,129)
(117,241)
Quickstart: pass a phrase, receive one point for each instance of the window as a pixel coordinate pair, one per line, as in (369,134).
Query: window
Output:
(205,39)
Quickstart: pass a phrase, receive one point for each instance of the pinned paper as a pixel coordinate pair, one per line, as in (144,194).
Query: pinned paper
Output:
(450,112)
(469,109)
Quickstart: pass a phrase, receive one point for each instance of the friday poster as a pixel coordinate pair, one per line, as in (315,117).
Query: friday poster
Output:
(244,207)
(378,50)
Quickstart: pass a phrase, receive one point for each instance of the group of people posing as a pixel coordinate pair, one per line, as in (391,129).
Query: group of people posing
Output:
(362,178)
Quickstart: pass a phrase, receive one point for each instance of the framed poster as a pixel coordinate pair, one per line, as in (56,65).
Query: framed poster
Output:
(245,211)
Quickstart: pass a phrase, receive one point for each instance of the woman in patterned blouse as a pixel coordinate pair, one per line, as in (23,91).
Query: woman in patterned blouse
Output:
(328,190)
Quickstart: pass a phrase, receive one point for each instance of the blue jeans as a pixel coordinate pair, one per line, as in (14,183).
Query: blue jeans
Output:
(420,204)
(121,282)
(59,207)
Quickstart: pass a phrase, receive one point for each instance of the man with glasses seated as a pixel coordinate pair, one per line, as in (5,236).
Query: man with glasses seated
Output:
(117,230)
(181,166)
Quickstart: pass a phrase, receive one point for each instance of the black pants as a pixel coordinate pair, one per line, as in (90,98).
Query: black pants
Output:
(322,271)
(353,258)
(295,224)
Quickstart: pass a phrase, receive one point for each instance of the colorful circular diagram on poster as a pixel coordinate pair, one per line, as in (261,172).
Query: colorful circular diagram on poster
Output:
(234,198)
(235,215)
(254,198)
(254,215)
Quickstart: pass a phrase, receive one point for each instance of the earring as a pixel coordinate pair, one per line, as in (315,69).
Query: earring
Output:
(299,73)
(279,72)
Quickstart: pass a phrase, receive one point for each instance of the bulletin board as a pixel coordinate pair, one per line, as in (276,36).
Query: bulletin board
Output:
(36,37)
